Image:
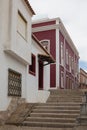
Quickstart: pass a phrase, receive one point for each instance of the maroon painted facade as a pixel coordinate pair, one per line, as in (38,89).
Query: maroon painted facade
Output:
(69,72)
(50,35)
(68,55)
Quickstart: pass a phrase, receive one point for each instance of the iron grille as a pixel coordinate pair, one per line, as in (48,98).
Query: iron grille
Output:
(14,83)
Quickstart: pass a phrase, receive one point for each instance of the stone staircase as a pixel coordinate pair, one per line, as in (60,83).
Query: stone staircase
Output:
(59,112)
(65,95)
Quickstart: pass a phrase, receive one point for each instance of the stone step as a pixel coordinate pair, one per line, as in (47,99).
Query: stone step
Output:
(44,128)
(58,107)
(58,101)
(64,100)
(48,124)
(70,96)
(66,93)
(55,115)
(60,104)
(66,97)
(46,119)
(79,91)
(56,111)
(14,127)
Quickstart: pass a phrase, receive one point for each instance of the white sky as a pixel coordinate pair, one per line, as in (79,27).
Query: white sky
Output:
(73,13)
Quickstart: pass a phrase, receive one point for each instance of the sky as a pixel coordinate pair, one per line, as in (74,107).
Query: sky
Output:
(73,14)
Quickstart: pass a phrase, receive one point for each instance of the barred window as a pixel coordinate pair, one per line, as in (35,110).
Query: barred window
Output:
(14,83)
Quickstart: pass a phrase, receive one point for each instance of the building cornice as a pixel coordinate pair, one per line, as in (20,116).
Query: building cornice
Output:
(67,37)
(45,28)
(45,20)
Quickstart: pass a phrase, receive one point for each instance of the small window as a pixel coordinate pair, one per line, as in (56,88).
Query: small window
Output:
(32,67)
(46,44)
(70,63)
(22,26)
(62,53)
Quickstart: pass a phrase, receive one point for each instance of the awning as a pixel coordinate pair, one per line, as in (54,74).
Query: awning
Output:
(46,58)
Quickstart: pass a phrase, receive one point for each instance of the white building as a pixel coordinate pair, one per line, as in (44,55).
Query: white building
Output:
(18,50)
(38,81)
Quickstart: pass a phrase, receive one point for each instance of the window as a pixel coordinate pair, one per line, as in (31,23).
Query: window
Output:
(62,53)
(73,63)
(70,62)
(14,83)
(32,67)
(46,44)
(67,58)
(22,26)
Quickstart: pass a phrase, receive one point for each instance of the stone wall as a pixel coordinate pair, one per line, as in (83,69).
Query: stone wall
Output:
(4,115)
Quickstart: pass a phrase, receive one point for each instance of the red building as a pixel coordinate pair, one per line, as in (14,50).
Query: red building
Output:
(55,38)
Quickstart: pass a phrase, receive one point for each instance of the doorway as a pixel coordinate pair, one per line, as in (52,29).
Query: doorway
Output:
(40,75)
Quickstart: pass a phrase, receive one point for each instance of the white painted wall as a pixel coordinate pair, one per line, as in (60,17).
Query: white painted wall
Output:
(33,94)
(11,41)
(15,53)
(8,62)
(47,77)
(16,45)
(57,58)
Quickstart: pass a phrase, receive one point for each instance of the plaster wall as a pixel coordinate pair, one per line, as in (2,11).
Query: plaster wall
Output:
(33,94)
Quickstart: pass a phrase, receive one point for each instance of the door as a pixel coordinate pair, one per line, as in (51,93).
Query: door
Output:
(40,76)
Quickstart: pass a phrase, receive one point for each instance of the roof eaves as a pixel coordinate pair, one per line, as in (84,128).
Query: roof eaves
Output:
(35,38)
(29,6)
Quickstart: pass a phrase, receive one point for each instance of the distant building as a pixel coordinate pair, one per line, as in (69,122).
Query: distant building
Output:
(82,79)
(54,37)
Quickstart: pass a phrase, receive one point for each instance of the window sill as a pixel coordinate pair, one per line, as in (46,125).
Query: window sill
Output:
(22,36)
